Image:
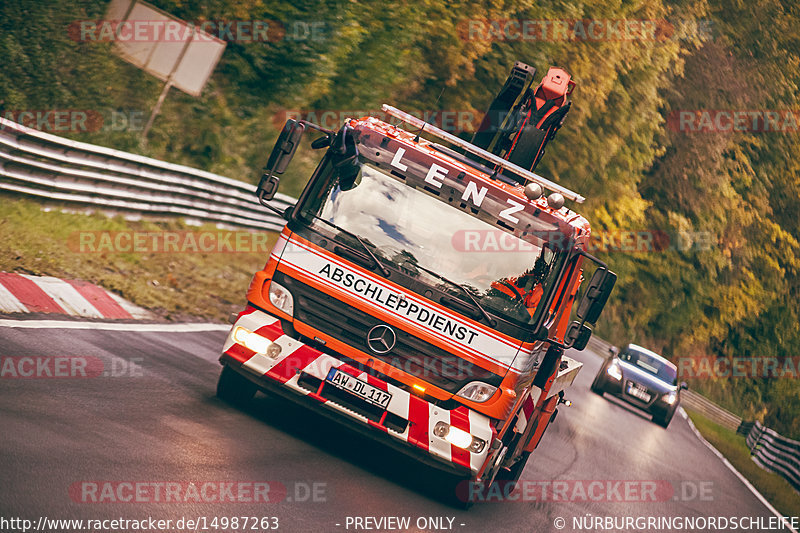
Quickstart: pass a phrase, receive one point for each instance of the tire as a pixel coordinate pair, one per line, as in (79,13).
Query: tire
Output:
(512,475)
(460,497)
(597,385)
(504,483)
(234,388)
(664,421)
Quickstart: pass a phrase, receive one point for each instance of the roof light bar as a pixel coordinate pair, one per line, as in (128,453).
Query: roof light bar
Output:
(452,139)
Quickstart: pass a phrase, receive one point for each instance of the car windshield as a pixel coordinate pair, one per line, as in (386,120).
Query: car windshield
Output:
(662,370)
(423,237)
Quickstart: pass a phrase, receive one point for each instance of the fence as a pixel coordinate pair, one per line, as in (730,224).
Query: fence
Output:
(60,170)
(774,452)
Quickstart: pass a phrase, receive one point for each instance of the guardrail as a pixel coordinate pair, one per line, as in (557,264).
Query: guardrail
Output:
(710,410)
(774,452)
(39,164)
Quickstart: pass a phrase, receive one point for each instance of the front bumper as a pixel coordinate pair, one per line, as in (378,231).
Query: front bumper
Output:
(407,424)
(654,407)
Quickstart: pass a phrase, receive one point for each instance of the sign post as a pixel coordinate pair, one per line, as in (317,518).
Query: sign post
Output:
(174,51)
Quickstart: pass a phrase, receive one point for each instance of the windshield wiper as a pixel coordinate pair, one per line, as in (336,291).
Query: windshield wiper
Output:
(488,318)
(374,257)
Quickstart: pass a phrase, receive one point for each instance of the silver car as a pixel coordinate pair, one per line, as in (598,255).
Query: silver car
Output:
(642,378)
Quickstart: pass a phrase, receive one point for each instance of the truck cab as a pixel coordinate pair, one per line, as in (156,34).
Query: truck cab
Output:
(421,294)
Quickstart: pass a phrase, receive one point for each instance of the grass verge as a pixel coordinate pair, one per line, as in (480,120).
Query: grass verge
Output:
(773,487)
(183,283)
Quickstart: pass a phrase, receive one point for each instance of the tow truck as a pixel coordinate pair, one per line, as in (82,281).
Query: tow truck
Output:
(379,307)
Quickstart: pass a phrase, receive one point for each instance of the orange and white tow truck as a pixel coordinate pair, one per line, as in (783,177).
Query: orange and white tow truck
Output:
(425,294)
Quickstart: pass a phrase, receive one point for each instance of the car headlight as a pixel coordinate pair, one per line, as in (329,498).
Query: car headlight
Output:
(477,391)
(255,342)
(281,298)
(670,398)
(614,371)
(458,437)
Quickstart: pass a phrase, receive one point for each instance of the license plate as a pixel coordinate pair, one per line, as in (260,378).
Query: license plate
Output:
(636,392)
(360,388)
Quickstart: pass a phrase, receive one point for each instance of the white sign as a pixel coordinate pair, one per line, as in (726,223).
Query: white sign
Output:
(166,47)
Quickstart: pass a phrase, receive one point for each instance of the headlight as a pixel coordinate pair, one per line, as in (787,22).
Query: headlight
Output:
(458,437)
(281,298)
(670,398)
(614,371)
(257,343)
(477,391)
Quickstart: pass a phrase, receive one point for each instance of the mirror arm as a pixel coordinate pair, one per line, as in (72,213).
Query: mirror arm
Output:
(589,256)
(317,127)
(269,206)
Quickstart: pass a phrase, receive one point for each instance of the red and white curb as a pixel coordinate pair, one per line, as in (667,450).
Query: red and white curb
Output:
(21,293)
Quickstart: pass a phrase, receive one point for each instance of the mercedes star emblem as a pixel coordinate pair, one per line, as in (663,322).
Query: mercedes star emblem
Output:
(381,339)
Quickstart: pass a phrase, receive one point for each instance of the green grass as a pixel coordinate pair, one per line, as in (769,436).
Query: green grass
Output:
(773,487)
(185,285)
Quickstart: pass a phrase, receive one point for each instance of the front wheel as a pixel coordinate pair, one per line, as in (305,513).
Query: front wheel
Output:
(498,488)
(512,474)
(664,420)
(235,388)
(597,385)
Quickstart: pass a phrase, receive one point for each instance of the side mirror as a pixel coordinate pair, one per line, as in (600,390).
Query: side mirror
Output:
(322,142)
(578,335)
(596,295)
(279,159)
(684,386)
(285,146)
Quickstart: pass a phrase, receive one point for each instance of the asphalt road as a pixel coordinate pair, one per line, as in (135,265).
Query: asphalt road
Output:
(151,417)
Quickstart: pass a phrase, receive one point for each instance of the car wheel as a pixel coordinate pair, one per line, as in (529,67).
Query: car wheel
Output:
(512,475)
(664,421)
(463,496)
(502,485)
(235,388)
(597,386)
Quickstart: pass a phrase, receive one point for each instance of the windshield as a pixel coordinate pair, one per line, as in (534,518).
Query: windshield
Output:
(426,239)
(664,371)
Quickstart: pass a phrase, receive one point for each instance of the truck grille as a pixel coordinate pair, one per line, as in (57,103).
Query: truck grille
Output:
(410,354)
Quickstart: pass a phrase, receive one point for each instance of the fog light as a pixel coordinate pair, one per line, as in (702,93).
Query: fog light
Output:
(670,398)
(274,350)
(458,437)
(441,429)
(255,342)
(477,445)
